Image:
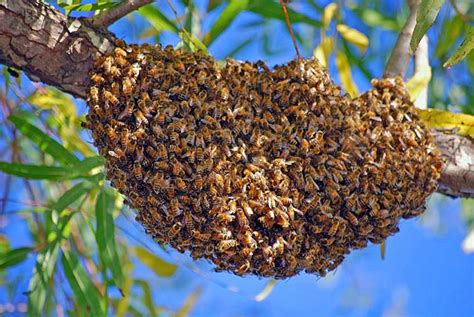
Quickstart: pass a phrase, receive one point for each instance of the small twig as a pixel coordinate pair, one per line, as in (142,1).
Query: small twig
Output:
(422,62)
(290,28)
(108,17)
(400,57)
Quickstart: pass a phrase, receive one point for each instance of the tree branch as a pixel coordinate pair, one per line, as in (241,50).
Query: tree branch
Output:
(58,51)
(422,62)
(400,57)
(106,18)
(49,47)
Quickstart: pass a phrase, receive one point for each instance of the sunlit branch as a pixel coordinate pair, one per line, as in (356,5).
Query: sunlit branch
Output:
(108,17)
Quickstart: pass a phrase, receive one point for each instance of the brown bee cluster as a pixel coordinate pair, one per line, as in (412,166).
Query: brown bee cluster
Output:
(265,172)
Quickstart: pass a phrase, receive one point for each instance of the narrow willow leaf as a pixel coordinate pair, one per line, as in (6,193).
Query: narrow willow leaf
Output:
(344,68)
(50,98)
(212,4)
(419,81)
(157,19)
(353,36)
(45,143)
(376,19)
(236,50)
(324,50)
(84,290)
(40,282)
(105,235)
(36,171)
(123,305)
(329,12)
(266,291)
(88,6)
(196,43)
(158,265)
(230,12)
(354,60)
(13,257)
(425,16)
(45,172)
(466,46)
(452,28)
(189,303)
(72,195)
(272,10)
(147,298)
(437,119)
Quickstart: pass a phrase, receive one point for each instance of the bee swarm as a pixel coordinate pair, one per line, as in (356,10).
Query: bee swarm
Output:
(265,172)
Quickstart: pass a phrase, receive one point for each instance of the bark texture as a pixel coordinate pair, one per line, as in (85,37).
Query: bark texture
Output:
(49,47)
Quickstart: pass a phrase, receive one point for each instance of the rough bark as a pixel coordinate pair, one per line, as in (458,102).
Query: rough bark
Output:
(49,47)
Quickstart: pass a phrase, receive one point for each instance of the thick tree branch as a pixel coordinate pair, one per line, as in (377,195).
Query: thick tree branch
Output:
(108,17)
(400,57)
(51,48)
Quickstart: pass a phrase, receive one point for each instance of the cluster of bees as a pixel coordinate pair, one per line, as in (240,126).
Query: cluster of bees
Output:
(264,172)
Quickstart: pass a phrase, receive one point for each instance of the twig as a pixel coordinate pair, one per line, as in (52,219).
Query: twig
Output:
(422,62)
(400,57)
(108,17)
(290,28)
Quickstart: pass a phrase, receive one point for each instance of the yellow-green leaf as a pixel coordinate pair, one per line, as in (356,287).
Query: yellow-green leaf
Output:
(189,303)
(382,250)
(419,81)
(328,14)
(49,98)
(324,50)
(466,46)
(155,263)
(437,119)
(344,68)
(266,291)
(353,36)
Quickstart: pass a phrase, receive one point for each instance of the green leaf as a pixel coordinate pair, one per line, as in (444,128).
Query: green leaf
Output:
(452,28)
(272,10)
(158,265)
(105,235)
(84,290)
(46,172)
(157,19)
(13,257)
(425,16)
(39,283)
(376,19)
(45,143)
(230,12)
(88,6)
(466,46)
(73,194)
(212,4)
(146,297)
(36,171)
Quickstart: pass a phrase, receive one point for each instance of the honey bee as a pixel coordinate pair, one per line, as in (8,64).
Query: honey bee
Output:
(241,270)
(180,184)
(140,118)
(175,229)
(94,92)
(137,170)
(352,219)
(201,236)
(333,229)
(127,86)
(225,245)
(97,79)
(110,98)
